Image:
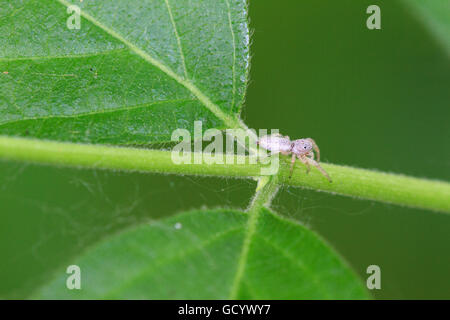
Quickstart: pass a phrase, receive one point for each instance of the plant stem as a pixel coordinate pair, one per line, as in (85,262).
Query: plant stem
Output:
(265,191)
(348,181)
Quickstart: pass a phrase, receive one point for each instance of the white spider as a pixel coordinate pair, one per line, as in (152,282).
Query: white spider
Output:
(301,149)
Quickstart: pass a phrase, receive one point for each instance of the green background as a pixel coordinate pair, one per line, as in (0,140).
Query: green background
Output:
(370,98)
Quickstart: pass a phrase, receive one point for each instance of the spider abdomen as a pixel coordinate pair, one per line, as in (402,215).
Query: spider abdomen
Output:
(276,143)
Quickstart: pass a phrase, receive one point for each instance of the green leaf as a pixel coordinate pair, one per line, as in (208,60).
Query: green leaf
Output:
(134,72)
(435,14)
(197,255)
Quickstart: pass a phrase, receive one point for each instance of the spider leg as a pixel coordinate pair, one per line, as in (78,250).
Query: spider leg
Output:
(316,148)
(317,165)
(304,160)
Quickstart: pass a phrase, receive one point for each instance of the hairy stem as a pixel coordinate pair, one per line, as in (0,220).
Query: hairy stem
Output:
(265,191)
(361,183)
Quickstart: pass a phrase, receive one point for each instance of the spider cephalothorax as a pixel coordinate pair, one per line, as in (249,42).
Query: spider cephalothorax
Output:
(303,149)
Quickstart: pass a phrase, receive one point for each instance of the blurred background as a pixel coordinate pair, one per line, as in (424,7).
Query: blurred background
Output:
(374,99)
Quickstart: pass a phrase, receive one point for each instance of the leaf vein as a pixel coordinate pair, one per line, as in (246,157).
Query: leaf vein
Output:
(68,56)
(177,36)
(104,111)
(230,121)
(234,53)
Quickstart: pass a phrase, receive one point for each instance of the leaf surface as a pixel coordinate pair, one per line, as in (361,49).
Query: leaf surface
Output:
(196,255)
(435,15)
(134,72)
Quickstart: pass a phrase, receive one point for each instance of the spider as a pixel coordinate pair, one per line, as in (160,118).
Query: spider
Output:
(301,149)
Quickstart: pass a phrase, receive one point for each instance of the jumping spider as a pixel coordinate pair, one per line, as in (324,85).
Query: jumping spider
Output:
(301,149)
